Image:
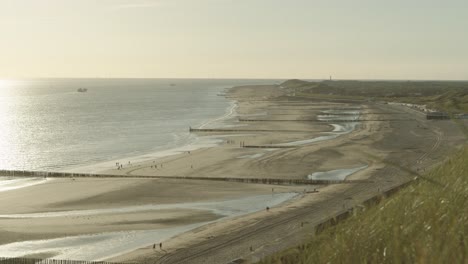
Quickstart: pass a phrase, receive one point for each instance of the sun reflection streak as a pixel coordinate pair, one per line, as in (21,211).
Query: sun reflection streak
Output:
(7,124)
(7,84)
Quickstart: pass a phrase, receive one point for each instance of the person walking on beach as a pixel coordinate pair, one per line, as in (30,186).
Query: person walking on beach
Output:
(160,245)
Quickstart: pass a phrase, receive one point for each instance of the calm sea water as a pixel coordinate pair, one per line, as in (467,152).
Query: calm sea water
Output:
(48,125)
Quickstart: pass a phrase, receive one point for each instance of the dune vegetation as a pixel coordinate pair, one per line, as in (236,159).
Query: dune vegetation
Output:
(426,222)
(450,96)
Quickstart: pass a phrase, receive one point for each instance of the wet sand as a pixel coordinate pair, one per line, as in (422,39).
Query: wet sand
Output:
(315,147)
(113,231)
(359,154)
(231,160)
(322,148)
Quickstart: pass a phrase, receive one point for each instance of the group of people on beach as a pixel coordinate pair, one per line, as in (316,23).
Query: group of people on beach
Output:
(120,165)
(241,143)
(160,246)
(155,166)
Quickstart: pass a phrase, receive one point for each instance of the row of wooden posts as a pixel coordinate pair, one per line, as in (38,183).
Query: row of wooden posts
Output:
(48,261)
(273,181)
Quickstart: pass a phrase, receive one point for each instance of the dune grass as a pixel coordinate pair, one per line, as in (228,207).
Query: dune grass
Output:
(446,96)
(423,223)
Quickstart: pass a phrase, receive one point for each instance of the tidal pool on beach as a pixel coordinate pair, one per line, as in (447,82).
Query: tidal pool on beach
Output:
(105,245)
(338,129)
(337,175)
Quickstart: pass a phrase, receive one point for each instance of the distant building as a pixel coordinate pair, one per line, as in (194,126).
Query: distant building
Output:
(437,115)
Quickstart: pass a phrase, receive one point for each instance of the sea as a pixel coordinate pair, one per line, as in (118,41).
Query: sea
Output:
(48,125)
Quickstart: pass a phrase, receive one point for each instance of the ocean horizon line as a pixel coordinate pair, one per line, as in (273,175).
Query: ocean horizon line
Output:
(233,78)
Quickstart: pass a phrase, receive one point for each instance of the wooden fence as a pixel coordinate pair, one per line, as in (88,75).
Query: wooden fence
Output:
(49,261)
(274,181)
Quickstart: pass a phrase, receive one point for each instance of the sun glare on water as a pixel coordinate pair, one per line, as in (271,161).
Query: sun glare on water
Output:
(4,83)
(7,129)
(6,87)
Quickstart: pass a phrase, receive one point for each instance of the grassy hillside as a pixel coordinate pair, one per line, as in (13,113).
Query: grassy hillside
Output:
(426,222)
(446,96)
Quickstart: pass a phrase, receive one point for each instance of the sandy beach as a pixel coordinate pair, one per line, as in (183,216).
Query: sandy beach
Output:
(229,159)
(271,135)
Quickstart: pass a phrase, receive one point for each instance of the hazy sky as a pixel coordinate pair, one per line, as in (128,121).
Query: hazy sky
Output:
(353,39)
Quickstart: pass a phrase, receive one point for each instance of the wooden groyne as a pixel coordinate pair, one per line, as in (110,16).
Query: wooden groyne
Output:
(244,130)
(267,146)
(279,120)
(50,174)
(288,107)
(369,113)
(50,261)
(322,121)
(273,181)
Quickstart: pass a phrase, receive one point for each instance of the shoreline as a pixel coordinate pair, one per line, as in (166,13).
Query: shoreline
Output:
(323,132)
(202,142)
(228,159)
(197,142)
(181,241)
(121,242)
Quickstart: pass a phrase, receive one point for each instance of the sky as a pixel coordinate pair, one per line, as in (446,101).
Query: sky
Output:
(278,39)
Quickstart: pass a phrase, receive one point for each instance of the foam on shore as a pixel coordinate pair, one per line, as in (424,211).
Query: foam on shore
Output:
(197,143)
(12,183)
(191,142)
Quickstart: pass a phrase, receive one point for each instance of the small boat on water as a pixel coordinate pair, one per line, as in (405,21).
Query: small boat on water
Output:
(172,84)
(82,90)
